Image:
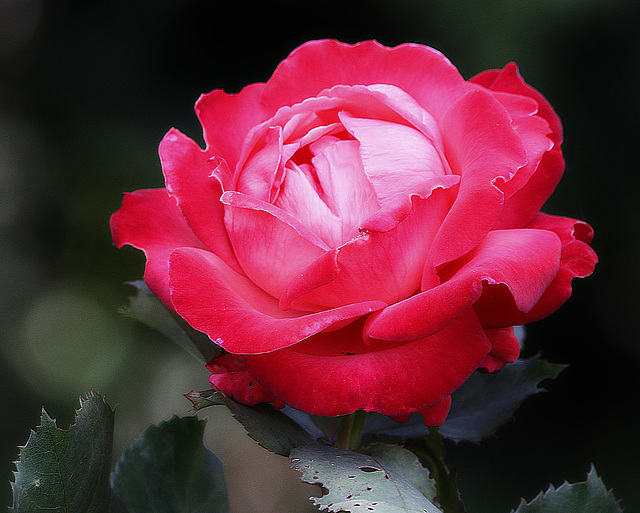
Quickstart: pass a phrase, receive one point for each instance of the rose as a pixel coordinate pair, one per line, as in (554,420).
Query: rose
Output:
(363,230)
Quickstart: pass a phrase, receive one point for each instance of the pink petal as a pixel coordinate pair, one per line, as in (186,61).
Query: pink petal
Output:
(270,244)
(505,348)
(231,377)
(533,131)
(151,221)
(386,266)
(496,308)
(337,373)
(484,149)
(228,118)
(344,199)
(524,260)
(187,171)
(434,416)
(509,80)
(398,159)
(520,208)
(422,72)
(260,171)
(235,313)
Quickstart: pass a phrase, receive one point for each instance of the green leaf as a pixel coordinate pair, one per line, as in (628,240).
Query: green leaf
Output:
(272,429)
(403,462)
(385,481)
(480,406)
(486,401)
(148,309)
(590,496)
(67,471)
(167,469)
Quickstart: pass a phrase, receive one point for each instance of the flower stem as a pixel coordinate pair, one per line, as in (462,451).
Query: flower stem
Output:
(350,430)
(446,485)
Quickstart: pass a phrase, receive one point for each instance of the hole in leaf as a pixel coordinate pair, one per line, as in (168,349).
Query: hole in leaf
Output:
(370,469)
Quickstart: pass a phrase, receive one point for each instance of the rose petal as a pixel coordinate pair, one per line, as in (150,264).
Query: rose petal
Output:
(397,159)
(520,208)
(335,208)
(496,307)
(231,377)
(235,313)
(227,119)
(505,348)
(392,379)
(376,265)
(270,244)
(187,170)
(509,80)
(422,72)
(434,416)
(150,220)
(485,150)
(533,131)
(525,260)
(262,167)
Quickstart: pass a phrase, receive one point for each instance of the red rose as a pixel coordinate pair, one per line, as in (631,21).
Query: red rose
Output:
(363,230)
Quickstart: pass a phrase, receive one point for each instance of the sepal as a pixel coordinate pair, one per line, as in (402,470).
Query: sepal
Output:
(272,429)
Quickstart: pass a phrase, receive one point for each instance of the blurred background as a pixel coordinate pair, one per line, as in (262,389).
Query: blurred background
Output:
(87,91)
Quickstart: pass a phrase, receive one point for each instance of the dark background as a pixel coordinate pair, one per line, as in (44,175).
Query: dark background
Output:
(88,89)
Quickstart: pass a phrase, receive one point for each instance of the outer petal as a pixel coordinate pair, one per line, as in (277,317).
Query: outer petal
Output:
(496,307)
(231,377)
(505,348)
(526,203)
(524,260)
(520,208)
(388,378)
(434,416)
(188,174)
(533,131)
(236,314)
(228,118)
(422,72)
(150,220)
(485,150)
(509,80)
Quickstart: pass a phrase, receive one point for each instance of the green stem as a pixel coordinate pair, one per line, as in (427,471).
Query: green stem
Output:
(446,485)
(350,430)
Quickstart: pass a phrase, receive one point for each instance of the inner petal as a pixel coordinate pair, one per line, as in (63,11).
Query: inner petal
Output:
(333,196)
(397,158)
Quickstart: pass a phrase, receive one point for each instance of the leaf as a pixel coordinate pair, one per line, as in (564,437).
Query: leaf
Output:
(272,429)
(480,406)
(486,401)
(167,469)
(590,496)
(67,470)
(356,482)
(404,462)
(148,309)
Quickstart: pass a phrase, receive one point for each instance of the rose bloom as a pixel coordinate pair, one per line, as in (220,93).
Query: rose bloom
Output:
(362,231)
